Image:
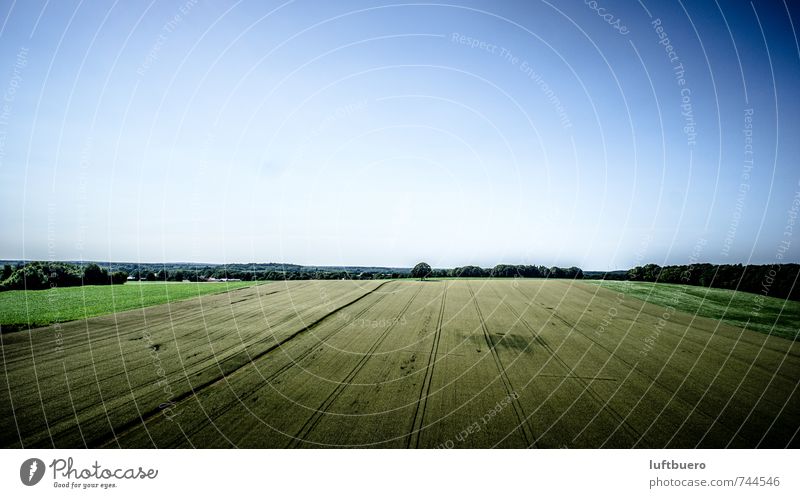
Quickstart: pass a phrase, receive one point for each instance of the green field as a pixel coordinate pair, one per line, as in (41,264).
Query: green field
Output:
(768,315)
(400,364)
(24,309)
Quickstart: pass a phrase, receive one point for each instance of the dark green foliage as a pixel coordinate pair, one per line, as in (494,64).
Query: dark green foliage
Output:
(42,276)
(769,280)
(28,277)
(510,271)
(94,275)
(469,271)
(606,275)
(177,272)
(39,275)
(119,277)
(421,271)
(530,271)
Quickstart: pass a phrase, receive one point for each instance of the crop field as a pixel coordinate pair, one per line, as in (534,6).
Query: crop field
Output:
(400,364)
(21,309)
(769,315)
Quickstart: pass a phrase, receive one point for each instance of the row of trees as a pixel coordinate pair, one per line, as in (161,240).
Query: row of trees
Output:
(44,275)
(203,276)
(515,271)
(770,280)
(499,271)
(423,270)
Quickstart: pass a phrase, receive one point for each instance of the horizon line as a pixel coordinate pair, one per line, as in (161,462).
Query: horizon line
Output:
(371,266)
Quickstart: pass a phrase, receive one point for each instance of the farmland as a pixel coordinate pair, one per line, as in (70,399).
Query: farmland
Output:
(35,308)
(769,315)
(400,364)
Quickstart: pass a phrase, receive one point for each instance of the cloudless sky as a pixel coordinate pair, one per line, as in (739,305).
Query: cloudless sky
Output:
(383,133)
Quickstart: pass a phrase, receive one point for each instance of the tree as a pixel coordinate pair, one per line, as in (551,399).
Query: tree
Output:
(94,275)
(28,277)
(574,272)
(473,271)
(421,271)
(119,277)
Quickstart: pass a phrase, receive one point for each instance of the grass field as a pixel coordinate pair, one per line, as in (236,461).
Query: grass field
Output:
(24,309)
(741,309)
(400,364)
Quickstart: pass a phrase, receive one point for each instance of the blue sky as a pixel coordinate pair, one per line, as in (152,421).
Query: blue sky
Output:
(381,133)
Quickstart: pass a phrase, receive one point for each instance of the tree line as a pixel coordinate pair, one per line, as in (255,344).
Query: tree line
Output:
(778,280)
(42,275)
(39,275)
(514,271)
(354,273)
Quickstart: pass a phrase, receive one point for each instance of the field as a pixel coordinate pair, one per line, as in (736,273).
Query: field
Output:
(742,309)
(24,309)
(400,364)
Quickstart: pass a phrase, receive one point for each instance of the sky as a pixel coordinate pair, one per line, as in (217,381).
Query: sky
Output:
(602,135)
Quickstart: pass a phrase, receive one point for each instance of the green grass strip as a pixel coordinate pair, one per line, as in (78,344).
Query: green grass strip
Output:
(23,309)
(767,315)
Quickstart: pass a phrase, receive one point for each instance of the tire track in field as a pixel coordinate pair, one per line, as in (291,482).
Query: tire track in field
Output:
(632,367)
(612,354)
(293,362)
(153,412)
(112,329)
(306,429)
(746,340)
(527,431)
(674,393)
(749,341)
(66,416)
(425,391)
(147,362)
(186,367)
(621,421)
(643,373)
(71,343)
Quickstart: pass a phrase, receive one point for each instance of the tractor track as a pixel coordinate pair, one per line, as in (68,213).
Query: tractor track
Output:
(622,422)
(134,388)
(419,414)
(81,343)
(293,362)
(146,362)
(645,308)
(527,432)
(104,440)
(632,367)
(306,429)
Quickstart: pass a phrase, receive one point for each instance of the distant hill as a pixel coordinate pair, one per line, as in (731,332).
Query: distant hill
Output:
(130,267)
